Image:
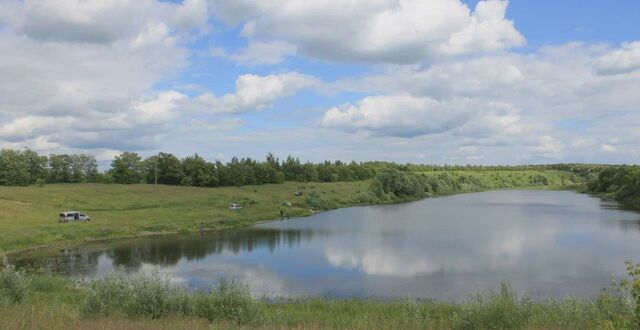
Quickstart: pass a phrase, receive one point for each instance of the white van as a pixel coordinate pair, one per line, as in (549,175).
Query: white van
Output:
(70,216)
(234,206)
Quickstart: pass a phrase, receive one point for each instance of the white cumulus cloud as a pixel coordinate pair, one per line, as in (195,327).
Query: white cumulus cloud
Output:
(255,92)
(385,31)
(622,60)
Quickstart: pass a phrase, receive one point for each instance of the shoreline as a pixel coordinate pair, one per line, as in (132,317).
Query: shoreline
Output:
(84,241)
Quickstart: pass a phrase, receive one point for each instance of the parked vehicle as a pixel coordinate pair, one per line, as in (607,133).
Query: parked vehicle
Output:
(298,193)
(71,216)
(234,206)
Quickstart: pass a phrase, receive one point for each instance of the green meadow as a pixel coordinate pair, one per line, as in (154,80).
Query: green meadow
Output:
(29,216)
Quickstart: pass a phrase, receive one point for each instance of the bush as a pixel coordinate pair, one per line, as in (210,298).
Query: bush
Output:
(503,310)
(367,198)
(13,285)
(316,201)
(152,296)
(229,301)
(146,295)
(632,285)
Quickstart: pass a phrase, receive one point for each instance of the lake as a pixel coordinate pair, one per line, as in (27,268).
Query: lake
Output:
(543,243)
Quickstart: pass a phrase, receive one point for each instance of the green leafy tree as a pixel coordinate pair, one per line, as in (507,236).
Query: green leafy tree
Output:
(198,172)
(36,165)
(60,168)
(13,168)
(126,168)
(169,169)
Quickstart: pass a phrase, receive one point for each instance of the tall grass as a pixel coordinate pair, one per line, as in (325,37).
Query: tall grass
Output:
(507,310)
(229,301)
(149,295)
(146,294)
(13,284)
(129,301)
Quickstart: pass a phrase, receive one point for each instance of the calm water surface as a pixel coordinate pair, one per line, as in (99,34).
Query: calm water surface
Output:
(544,243)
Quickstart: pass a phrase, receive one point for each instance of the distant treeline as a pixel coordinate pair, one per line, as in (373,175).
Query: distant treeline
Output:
(27,167)
(21,168)
(391,184)
(577,168)
(196,171)
(621,183)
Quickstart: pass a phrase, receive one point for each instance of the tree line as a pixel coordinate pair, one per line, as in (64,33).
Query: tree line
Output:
(165,168)
(21,168)
(621,183)
(25,167)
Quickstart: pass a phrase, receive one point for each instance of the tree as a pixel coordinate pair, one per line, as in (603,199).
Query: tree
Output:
(235,173)
(310,172)
(292,169)
(90,168)
(344,173)
(13,168)
(198,172)
(169,169)
(60,168)
(325,174)
(36,165)
(126,168)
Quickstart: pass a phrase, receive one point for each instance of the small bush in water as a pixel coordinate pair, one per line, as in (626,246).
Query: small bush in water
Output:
(229,301)
(13,285)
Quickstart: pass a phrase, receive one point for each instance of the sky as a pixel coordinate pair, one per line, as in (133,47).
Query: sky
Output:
(423,81)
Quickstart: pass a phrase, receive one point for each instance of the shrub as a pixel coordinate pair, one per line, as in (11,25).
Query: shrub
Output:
(229,301)
(316,201)
(632,285)
(367,198)
(13,285)
(503,310)
(147,295)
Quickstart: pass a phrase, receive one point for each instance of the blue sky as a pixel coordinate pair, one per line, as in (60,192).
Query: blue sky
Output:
(437,81)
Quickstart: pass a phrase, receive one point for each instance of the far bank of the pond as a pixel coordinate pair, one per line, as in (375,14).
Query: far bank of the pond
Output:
(128,211)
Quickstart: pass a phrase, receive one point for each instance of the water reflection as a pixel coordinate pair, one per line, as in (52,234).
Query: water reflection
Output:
(162,250)
(546,243)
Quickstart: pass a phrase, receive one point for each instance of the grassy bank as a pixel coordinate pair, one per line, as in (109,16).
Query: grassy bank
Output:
(150,302)
(29,216)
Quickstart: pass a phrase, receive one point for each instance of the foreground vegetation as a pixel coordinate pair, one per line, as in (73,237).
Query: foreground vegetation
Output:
(29,217)
(150,301)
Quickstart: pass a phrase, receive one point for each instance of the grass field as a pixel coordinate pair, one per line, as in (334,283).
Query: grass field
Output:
(29,214)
